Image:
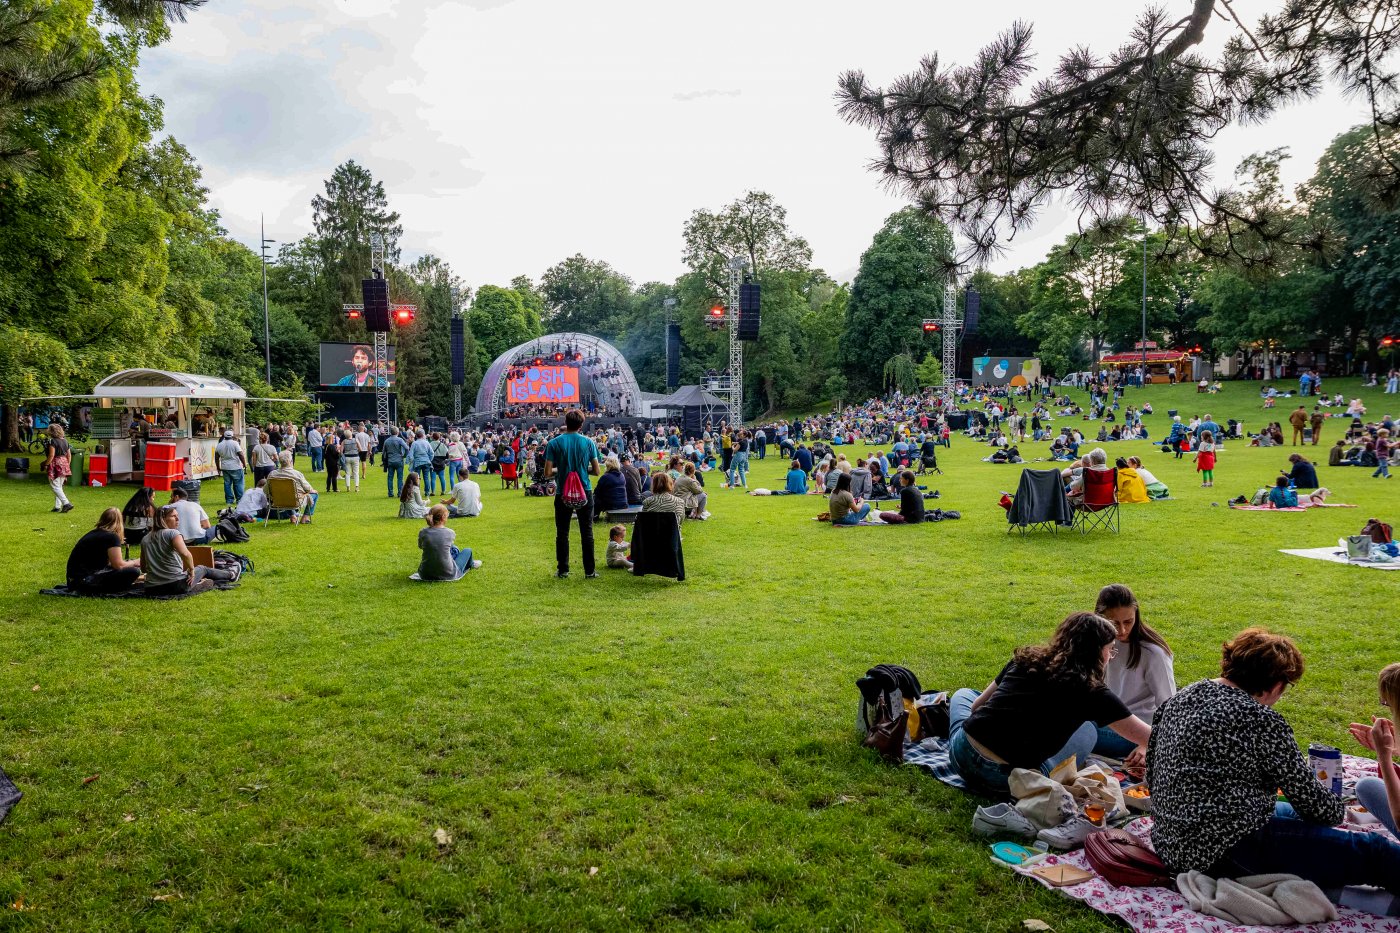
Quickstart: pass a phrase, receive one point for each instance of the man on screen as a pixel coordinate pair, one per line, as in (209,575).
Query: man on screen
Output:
(361,378)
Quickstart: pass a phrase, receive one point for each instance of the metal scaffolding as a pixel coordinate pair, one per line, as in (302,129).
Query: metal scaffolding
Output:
(952,324)
(381,342)
(733,388)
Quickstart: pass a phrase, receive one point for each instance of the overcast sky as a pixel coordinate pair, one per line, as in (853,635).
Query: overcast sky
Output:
(513,133)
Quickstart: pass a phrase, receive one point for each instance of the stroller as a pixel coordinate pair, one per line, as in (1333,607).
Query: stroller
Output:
(928,462)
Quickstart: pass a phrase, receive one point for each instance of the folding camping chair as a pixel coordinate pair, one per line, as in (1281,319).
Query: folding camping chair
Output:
(928,463)
(282,500)
(1099,506)
(510,476)
(1040,502)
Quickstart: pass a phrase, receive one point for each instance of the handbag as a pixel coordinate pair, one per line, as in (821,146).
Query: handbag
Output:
(934,719)
(1123,861)
(1358,547)
(887,731)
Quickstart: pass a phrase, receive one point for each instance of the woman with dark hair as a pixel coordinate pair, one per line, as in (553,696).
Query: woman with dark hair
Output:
(96,565)
(1141,673)
(139,514)
(845,509)
(1044,706)
(411,501)
(1219,756)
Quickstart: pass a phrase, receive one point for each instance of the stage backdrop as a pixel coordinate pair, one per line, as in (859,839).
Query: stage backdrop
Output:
(348,365)
(552,385)
(1004,370)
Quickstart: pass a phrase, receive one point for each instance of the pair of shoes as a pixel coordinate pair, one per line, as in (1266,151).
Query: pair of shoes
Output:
(67,507)
(476,565)
(562,575)
(55,509)
(1071,833)
(592,576)
(1000,820)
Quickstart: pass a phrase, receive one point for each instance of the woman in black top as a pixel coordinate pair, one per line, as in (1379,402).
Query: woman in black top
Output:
(1044,706)
(139,515)
(96,565)
(1302,472)
(330,450)
(1219,754)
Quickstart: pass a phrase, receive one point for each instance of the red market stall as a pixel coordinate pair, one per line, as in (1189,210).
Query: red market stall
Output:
(1158,364)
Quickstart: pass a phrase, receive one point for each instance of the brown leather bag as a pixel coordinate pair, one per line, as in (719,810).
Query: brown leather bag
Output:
(887,731)
(1121,860)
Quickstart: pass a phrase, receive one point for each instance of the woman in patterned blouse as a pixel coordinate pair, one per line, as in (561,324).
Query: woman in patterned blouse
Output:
(1218,755)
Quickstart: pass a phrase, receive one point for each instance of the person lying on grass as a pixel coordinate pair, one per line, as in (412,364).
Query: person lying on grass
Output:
(1140,674)
(1381,795)
(442,559)
(1047,703)
(1218,756)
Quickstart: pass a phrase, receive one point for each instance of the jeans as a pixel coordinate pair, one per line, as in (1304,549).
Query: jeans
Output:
(261,473)
(990,777)
(563,517)
(463,558)
(440,477)
(233,486)
(1330,858)
(856,517)
(1383,469)
(1112,745)
(395,475)
(311,501)
(763,450)
(425,477)
(206,538)
(1370,793)
(739,470)
(352,472)
(317,459)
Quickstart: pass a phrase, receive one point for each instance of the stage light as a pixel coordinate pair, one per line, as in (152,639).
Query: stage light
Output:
(932,327)
(403,315)
(1388,341)
(353,314)
(717,311)
(558,357)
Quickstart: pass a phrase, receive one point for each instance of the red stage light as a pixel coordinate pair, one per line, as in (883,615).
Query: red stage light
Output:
(717,311)
(558,357)
(353,314)
(932,327)
(403,315)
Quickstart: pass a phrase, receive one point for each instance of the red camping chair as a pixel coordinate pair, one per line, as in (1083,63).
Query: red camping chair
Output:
(1098,507)
(510,476)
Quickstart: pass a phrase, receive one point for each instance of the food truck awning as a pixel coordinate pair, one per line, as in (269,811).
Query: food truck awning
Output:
(59,398)
(156,383)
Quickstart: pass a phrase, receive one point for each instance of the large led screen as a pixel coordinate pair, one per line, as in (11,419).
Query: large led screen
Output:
(543,385)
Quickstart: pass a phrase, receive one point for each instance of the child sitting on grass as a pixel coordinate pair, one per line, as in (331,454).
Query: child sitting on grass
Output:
(618,548)
(1381,796)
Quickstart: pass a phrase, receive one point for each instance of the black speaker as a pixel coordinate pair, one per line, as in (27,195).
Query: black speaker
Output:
(750,299)
(459,342)
(673,355)
(971,309)
(376,298)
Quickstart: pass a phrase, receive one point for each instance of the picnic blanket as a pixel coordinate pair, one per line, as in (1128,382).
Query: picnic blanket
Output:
(417,579)
(9,795)
(1296,508)
(932,755)
(139,591)
(1162,910)
(868,523)
(1336,556)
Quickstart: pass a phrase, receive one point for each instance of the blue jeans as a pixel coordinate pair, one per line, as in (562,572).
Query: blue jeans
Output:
(856,517)
(233,486)
(1330,858)
(425,477)
(463,558)
(441,477)
(1112,745)
(1370,793)
(1383,469)
(311,505)
(990,777)
(318,458)
(739,469)
(395,473)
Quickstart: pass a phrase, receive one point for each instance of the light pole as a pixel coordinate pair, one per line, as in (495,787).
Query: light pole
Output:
(267,330)
(1143,380)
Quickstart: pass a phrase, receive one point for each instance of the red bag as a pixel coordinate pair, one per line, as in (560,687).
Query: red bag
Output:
(574,495)
(1121,860)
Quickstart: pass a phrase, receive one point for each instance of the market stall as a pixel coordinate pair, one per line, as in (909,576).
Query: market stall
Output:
(1159,363)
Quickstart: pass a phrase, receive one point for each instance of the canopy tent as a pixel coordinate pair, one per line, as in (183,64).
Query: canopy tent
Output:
(696,407)
(1157,363)
(156,383)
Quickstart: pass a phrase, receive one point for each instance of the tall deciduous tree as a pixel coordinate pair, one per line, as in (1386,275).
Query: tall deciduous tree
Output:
(500,320)
(353,208)
(900,282)
(586,296)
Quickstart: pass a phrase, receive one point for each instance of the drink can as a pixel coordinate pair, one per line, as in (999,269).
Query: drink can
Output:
(1326,764)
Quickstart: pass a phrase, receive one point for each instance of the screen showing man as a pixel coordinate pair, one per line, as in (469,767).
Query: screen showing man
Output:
(544,385)
(351,366)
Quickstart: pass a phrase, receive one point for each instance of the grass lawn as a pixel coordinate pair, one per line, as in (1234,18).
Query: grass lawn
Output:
(605,754)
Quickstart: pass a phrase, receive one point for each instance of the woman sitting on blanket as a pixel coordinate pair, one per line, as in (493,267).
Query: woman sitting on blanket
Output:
(96,565)
(1045,705)
(1131,488)
(1141,673)
(1281,497)
(411,501)
(1156,489)
(1381,795)
(1218,757)
(911,503)
(167,561)
(845,508)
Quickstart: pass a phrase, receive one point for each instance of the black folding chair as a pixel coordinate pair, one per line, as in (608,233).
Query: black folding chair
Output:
(1040,503)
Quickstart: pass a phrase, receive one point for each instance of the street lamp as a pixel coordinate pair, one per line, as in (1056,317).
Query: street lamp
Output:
(267,331)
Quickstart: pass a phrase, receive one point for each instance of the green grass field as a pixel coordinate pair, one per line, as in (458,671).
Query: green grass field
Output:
(604,754)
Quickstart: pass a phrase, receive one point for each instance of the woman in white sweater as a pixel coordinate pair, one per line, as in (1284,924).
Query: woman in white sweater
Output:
(1140,673)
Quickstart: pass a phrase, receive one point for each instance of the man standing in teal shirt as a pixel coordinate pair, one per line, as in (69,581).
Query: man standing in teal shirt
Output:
(571,452)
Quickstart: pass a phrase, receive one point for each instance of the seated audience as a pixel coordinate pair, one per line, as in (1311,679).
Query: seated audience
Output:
(1381,795)
(1302,472)
(617,557)
(692,491)
(138,515)
(610,491)
(166,559)
(96,565)
(1044,706)
(306,493)
(1219,756)
(1156,489)
(411,501)
(911,503)
(442,559)
(465,501)
(663,499)
(1131,488)
(796,480)
(845,510)
(1141,673)
(194,521)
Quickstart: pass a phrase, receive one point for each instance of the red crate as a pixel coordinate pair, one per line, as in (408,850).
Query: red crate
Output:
(158,483)
(156,451)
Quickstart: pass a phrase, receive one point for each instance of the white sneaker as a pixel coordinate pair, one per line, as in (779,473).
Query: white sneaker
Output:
(476,564)
(1070,834)
(1001,820)
(705,515)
